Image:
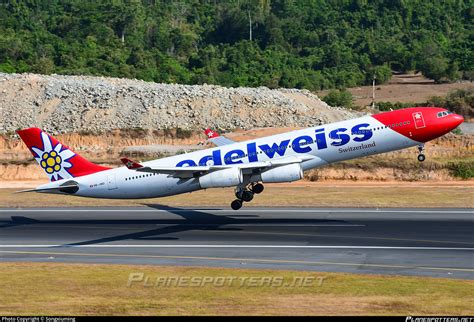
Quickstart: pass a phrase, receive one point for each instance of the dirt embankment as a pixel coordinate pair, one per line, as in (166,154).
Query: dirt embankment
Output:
(405,88)
(73,104)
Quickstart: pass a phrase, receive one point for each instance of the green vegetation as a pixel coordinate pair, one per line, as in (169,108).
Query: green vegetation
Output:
(464,170)
(460,101)
(388,106)
(183,133)
(339,98)
(304,44)
(457,131)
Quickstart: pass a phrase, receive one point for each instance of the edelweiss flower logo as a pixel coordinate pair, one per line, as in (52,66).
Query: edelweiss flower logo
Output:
(53,160)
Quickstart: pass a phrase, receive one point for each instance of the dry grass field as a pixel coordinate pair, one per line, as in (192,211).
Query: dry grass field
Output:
(298,194)
(85,289)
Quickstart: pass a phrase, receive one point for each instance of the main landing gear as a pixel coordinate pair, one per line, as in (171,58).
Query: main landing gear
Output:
(245,194)
(421,156)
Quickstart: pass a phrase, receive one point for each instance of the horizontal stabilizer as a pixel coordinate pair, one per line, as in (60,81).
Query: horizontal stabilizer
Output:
(70,188)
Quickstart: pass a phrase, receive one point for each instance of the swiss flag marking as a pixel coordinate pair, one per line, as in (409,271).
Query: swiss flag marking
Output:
(419,120)
(211,134)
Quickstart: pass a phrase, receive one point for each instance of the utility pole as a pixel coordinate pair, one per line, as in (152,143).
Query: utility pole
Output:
(373,91)
(250,26)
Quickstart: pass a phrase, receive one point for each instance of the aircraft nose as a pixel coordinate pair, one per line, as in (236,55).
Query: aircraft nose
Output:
(456,120)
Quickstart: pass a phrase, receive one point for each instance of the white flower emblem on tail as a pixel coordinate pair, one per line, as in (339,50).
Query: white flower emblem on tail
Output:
(53,160)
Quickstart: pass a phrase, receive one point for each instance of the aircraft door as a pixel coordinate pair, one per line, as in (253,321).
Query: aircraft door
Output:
(111,182)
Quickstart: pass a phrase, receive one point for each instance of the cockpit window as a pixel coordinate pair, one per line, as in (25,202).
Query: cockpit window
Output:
(444,113)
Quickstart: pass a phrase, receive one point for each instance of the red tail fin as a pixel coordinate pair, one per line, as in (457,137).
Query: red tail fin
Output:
(56,159)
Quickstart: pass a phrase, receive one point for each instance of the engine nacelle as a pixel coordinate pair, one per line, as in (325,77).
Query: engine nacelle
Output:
(284,173)
(221,178)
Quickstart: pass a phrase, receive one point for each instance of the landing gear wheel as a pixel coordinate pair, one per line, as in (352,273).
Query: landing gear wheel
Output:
(239,194)
(236,204)
(421,157)
(247,196)
(258,188)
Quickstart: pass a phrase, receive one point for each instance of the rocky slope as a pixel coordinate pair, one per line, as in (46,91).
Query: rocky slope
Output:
(65,104)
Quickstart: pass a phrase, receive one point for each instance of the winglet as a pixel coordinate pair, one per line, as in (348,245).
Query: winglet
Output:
(211,134)
(131,165)
(217,139)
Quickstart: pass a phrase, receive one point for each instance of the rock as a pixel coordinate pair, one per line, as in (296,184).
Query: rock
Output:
(101,104)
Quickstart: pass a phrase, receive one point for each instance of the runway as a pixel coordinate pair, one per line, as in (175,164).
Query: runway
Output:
(420,242)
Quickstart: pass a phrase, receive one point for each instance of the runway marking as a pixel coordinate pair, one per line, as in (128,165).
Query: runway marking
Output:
(236,246)
(343,236)
(248,210)
(40,225)
(267,225)
(243,260)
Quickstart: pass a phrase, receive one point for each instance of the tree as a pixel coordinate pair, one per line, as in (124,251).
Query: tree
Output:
(435,68)
(306,44)
(341,98)
(382,74)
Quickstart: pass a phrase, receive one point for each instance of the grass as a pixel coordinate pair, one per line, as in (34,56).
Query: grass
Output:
(295,195)
(97,289)
(464,170)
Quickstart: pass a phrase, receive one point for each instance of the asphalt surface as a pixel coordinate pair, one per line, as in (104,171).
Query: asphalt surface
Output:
(424,242)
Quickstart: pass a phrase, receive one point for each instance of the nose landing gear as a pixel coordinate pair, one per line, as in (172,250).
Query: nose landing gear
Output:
(245,194)
(421,156)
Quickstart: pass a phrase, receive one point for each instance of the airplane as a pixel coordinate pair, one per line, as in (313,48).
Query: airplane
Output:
(246,166)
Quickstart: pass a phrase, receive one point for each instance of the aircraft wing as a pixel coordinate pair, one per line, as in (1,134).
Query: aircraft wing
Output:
(217,139)
(183,172)
(196,171)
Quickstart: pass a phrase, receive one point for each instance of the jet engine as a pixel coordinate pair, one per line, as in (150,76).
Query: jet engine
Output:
(285,173)
(221,178)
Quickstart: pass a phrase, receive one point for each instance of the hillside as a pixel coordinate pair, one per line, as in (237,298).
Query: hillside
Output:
(66,104)
(107,118)
(274,43)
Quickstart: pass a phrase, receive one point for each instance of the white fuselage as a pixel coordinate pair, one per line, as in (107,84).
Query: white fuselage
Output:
(326,143)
